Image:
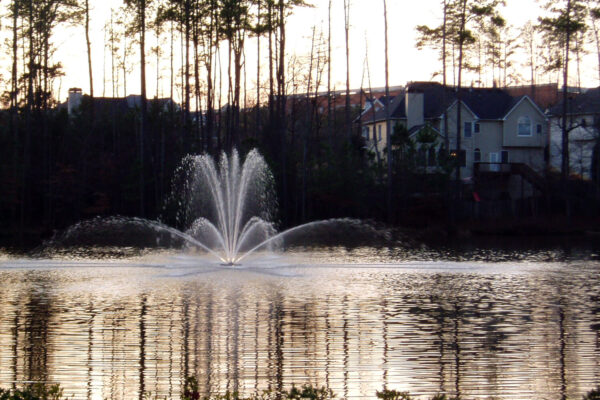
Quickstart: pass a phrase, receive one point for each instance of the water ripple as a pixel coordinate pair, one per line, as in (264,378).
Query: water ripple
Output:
(120,328)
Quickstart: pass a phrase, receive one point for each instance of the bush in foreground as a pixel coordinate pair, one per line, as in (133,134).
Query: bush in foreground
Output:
(191,392)
(36,391)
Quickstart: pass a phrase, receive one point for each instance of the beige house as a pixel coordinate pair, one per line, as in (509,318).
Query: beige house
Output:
(499,133)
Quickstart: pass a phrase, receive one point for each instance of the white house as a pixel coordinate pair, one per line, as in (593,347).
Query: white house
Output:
(583,119)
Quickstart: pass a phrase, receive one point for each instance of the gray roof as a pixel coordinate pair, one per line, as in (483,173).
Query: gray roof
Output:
(587,102)
(486,103)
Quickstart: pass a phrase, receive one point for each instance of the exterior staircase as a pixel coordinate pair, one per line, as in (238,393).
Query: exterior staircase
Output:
(484,171)
(530,175)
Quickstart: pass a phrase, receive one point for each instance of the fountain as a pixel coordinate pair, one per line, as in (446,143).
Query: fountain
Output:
(226,208)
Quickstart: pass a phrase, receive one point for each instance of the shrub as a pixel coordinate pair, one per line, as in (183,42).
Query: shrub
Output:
(36,391)
(593,394)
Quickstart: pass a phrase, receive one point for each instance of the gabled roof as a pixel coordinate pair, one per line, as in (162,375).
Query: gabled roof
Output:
(587,102)
(521,99)
(397,111)
(417,128)
(485,103)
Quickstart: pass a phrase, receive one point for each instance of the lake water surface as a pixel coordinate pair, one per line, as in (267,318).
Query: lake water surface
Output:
(356,321)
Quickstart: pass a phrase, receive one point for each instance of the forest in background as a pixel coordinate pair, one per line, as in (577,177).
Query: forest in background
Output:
(57,169)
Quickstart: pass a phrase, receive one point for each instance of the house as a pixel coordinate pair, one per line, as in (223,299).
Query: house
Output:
(112,105)
(583,125)
(498,131)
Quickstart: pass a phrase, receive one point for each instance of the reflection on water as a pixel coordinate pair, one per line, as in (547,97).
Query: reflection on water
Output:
(116,329)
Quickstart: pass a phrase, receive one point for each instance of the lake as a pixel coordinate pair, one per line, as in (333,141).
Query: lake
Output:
(476,323)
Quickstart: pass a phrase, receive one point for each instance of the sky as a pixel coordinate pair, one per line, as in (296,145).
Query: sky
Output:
(367,31)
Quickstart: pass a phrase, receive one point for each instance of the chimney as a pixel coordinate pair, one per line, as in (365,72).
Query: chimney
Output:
(74,100)
(414,103)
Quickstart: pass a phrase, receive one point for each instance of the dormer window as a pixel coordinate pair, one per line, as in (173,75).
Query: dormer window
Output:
(524,126)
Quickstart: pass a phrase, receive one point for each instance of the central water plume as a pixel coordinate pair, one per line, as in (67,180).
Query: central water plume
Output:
(228,206)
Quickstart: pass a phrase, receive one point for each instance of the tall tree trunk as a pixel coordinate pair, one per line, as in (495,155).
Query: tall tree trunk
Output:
(186,102)
(578,42)
(172,72)
(271,68)
(125,53)
(388,127)
(14,101)
(444,74)
(143,103)
(47,147)
(209,88)
(230,100)
(307,130)
(257,122)
(459,93)
(28,120)
(219,73)
(281,99)
(105,44)
(329,62)
(238,48)
(89,49)
(198,119)
(114,71)
(347,36)
(565,130)
(597,42)
(245,107)
(158,54)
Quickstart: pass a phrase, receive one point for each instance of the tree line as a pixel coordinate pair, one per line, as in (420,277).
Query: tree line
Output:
(58,168)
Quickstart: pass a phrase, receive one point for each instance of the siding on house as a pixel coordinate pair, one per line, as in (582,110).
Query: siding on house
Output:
(511,137)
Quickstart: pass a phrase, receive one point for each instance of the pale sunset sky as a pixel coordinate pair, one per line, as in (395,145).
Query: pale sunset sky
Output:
(406,62)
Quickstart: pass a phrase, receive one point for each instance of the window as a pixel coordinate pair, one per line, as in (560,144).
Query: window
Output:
(477,155)
(468,129)
(431,159)
(366,132)
(524,126)
(476,127)
(504,156)
(379,133)
(539,129)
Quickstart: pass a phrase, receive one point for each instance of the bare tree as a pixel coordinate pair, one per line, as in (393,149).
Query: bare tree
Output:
(388,125)
(89,49)
(347,41)
(561,29)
